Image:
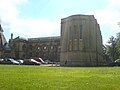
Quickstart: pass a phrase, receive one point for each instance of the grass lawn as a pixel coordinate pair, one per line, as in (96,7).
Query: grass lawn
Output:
(19,77)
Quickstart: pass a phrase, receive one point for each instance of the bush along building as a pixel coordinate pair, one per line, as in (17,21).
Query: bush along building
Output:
(81,41)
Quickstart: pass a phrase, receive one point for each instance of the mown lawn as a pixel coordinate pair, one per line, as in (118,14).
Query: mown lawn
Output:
(14,77)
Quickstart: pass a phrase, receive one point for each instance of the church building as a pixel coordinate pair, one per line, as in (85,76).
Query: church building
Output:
(81,41)
(80,44)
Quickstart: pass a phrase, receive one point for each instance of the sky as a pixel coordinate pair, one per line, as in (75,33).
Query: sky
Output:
(41,18)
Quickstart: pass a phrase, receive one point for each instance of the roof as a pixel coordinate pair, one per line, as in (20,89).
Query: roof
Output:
(20,38)
(44,38)
(80,16)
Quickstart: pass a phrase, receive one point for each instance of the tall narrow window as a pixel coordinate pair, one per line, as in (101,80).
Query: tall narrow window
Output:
(75,31)
(70,30)
(75,44)
(70,38)
(81,31)
(70,45)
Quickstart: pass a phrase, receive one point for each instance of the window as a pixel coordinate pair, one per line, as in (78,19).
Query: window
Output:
(38,48)
(81,31)
(51,47)
(70,45)
(70,32)
(24,47)
(75,44)
(75,31)
(81,45)
(30,47)
(45,47)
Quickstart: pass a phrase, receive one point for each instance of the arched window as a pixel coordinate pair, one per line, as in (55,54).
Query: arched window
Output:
(14,46)
(30,47)
(70,45)
(24,47)
(81,31)
(75,46)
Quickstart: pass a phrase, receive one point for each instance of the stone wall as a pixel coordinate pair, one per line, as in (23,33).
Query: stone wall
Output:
(47,48)
(81,41)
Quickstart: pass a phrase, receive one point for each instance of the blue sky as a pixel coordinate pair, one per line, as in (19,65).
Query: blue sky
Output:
(40,18)
(54,8)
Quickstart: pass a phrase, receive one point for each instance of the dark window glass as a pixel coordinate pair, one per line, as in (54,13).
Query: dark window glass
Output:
(75,31)
(81,31)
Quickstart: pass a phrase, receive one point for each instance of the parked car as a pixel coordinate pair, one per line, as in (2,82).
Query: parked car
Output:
(48,62)
(111,64)
(31,62)
(1,61)
(20,61)
(10,61)
(40,60)
(36,62)
(117,62)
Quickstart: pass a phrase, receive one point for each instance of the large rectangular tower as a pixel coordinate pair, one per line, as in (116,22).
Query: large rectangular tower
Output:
(81,41)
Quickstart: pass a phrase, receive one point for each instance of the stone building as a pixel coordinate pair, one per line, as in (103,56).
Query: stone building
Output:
(80,44)
(81,41)
(18,47)
(47,48)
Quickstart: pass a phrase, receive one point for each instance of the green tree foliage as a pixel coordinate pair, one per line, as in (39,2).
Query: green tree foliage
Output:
(118,43)
(113,48)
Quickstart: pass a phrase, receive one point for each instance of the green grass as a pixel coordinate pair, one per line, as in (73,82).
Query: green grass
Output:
(59,78)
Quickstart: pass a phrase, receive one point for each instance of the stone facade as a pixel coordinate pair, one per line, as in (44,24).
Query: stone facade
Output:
(47,48)
(18,48)
(81,41)
(80,44)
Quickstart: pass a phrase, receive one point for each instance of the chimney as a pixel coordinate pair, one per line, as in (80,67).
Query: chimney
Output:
(11,36)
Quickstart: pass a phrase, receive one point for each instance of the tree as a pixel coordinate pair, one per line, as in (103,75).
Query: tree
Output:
(112,49)
(118,44)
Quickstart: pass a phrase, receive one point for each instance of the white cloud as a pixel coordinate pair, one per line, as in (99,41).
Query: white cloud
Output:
(27,27)
(8,9)
(110,15)
(9,13)
(31,27)
(114,2)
